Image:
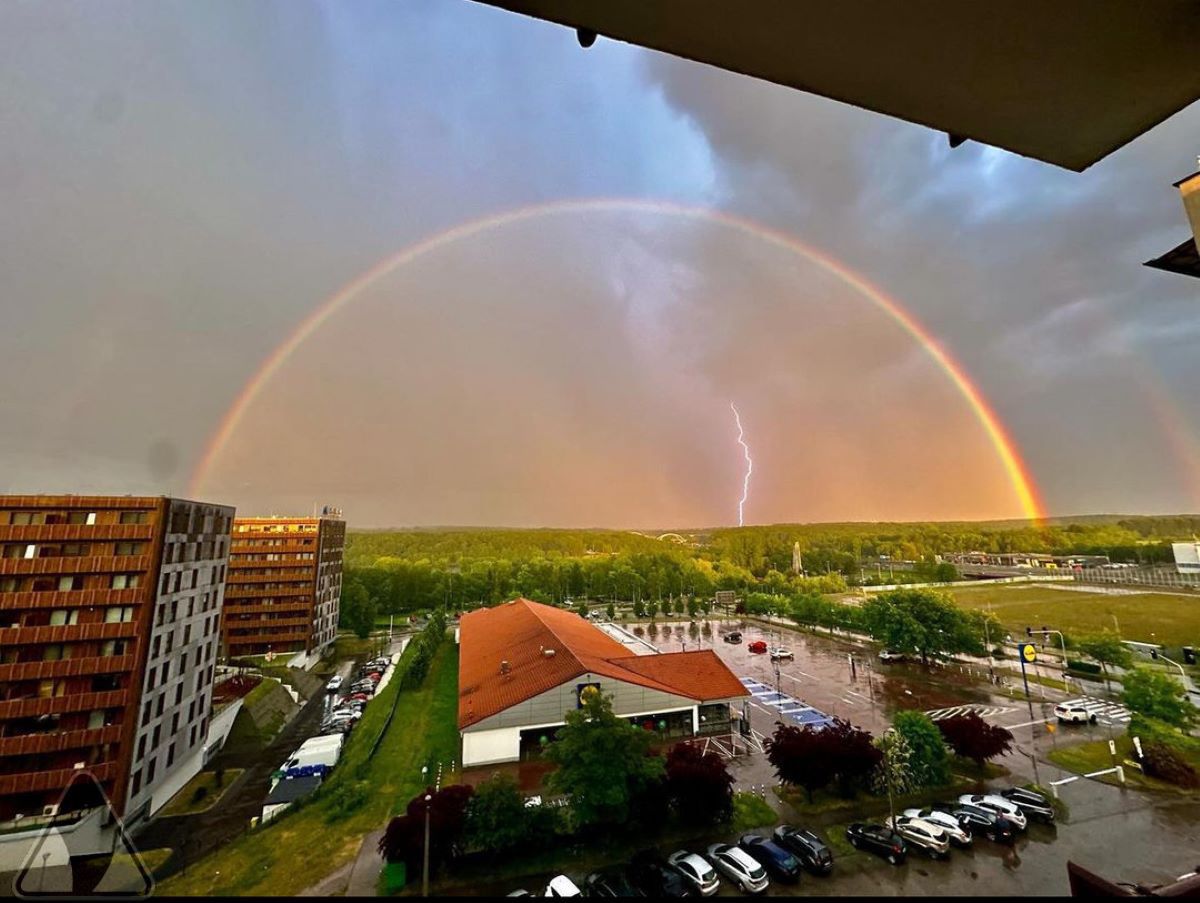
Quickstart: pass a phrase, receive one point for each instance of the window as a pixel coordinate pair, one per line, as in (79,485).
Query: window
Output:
(81,517)
(61,616)
(133,517)
(157,736)
(162,700)
(30,551)
(166,582)
(178,695)
(69,584)
(146,714)
(192,736)
(95,719)
(170,754)
(137,780)
(26,518)
(166,672)
(125,581)
(52,653)
(150,677)
(155,646)
(183,663)
(175,723)
(8,584)
(128,548)
(112,647)
(150,772)
(75,549)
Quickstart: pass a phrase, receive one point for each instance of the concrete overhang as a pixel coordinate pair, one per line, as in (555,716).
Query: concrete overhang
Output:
(1066,82)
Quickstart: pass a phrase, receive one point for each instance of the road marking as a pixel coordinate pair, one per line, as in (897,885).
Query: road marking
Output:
(849,701)
(859,695)
(1013,727)
(983,711)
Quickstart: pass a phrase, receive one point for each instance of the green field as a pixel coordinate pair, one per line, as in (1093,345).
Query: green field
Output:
(302,847)
(1172,620)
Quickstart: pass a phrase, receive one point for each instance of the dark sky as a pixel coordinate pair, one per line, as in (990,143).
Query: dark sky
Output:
(184,183)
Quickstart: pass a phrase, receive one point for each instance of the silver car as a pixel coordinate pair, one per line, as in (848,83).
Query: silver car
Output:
(739,867)
(944,820)
(696,871)
(926,835)
(997,804)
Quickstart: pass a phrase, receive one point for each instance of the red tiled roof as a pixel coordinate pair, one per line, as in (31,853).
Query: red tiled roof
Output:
(519,632)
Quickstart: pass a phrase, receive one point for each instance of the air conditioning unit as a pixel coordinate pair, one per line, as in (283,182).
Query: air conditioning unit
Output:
(50,810)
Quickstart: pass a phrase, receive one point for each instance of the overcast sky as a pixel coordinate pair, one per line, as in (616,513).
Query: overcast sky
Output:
(181,184)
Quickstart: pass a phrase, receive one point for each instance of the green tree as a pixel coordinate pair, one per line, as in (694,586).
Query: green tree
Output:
(611,611)
(357,610)
(498,819)
(929,761)
(603,762)
(1107,649)
(894,766)
(639,609)
(923,622)
(1156,695)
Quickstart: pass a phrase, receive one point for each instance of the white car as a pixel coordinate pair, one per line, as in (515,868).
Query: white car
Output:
(887,655)
(920,833)
(696,871)
(1074,713)
(738,866)
(780,652)
(335,683)
(562,886)
(997,804)
(944,820)
(350,713)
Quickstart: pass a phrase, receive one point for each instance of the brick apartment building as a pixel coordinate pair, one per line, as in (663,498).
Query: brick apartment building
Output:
(284,587)
(109,622)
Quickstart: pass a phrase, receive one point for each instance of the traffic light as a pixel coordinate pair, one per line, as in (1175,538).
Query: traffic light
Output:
(1154,653)
(1028,631)
(1189,654)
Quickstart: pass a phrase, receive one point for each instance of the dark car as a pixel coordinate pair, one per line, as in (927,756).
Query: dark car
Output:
(1033,804)
(650,874)
(732,637)
(780,862)
(984,823)
(807,847)
(878,840)
(609,883)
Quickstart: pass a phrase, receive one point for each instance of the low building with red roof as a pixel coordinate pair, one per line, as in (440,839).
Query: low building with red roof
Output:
(524,665)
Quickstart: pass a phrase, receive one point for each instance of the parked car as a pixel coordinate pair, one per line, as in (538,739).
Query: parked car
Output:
(923,835)
(349,712)
(888,655)
(737,865)
(696,871)
(779,862)
(985,822)
(878,840)
(812,852)
(651,874)
(1032,804)
(758,647)
(335,683)
(958,835)
(999,805)
(609,883)
(519,892)
(562,886)
(732,637)
(1072,713)
(779,653)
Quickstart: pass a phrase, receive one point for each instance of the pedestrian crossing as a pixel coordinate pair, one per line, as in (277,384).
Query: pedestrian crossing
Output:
(983,711)
(1105,711)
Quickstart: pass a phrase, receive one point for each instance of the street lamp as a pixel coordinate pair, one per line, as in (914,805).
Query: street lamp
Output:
(425,875)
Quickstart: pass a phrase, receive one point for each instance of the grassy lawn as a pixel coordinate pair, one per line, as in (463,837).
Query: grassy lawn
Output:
(1084,758)
(1173,619)
(183,802)
(750,811)
(315,839)
(867,807)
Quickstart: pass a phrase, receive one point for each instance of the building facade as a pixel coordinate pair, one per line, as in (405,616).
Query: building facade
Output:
(109,623)
(1187,557)
(285,584)
(523,666)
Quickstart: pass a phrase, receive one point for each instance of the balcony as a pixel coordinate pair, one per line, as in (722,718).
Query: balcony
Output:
(76,532)
(67,667)
(72,598)
(84,564)
(272,638)
(57,741)
(34,706)
(33,781)
(244,547)
(266,624)
(233,592)
(298,575)
(67,633)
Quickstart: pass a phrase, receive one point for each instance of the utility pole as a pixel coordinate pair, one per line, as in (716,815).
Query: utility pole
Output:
(425,874)
(1027,652)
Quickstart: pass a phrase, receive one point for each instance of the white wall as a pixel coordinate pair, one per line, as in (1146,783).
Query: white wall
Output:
(489,747)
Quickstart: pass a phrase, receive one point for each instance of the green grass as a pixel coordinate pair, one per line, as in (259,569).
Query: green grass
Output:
(1173,619)
(751,811)
(866,806)
(181,803)
(315,839)
(1088,757)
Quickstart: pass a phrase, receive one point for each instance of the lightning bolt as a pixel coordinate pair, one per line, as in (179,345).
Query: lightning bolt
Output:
(749,464)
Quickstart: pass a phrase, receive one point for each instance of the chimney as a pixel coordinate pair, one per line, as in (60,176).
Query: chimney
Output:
(505,668)
(548,653)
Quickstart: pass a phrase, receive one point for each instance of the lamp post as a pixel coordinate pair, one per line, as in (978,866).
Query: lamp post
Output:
(425,873)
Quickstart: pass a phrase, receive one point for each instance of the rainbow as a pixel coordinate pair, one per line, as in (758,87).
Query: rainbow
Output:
(1014,467)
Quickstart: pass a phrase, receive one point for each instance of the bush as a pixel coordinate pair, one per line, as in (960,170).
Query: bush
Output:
(973,738)
(1164,763)
(1082,667)
(199,794)
(930,762)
